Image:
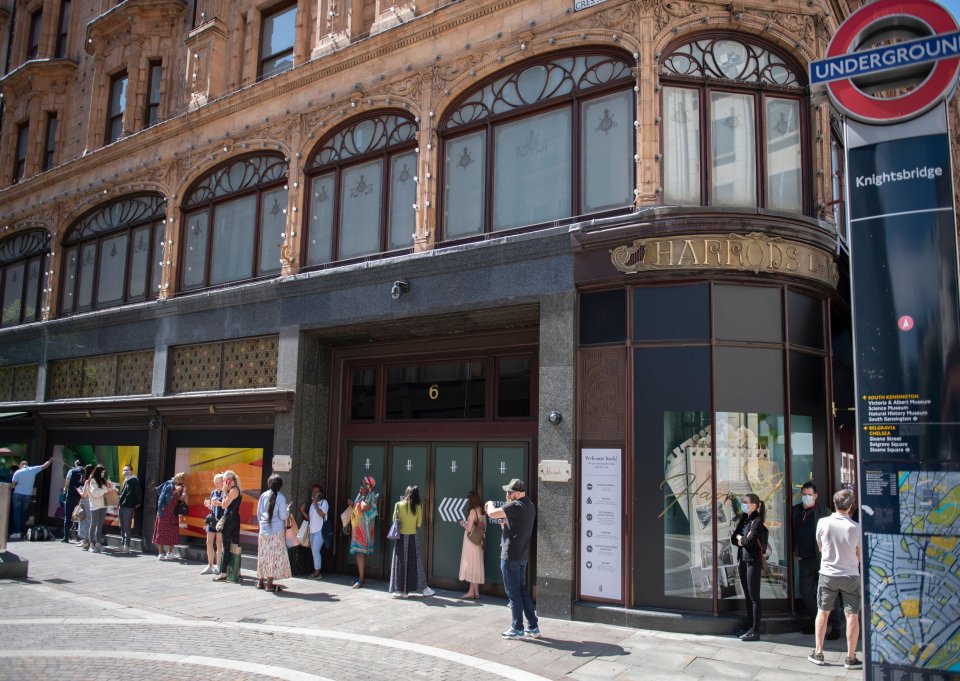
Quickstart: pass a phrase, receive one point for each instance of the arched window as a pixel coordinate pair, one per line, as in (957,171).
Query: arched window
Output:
(363,184)
(734,121)
(23,266)
(234,220)
(550,140)
(112,255)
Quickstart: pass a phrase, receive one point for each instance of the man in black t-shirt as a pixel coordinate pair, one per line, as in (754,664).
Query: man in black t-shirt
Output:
(72,485)
(519,514)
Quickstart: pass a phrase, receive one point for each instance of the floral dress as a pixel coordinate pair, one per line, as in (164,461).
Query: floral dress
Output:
(363,521)
(166,531)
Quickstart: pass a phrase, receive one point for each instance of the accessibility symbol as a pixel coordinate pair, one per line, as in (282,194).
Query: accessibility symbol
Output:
(451,509)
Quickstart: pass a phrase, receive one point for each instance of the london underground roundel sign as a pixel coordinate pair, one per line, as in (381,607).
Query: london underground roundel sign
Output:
(938,47)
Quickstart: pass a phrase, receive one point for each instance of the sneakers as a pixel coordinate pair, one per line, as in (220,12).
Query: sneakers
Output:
(161,556)
(512,633)
(171,556)
(14,535)
(216,569)
(532,633)
(852,663)
(817,658)
(428,592)
(94,549)
(397,594)
(750,636)
(207,570)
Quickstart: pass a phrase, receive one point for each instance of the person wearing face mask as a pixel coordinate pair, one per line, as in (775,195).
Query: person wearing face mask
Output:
(805,516)
(750,538)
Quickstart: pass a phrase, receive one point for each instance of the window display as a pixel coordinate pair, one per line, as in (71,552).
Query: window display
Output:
(112,457)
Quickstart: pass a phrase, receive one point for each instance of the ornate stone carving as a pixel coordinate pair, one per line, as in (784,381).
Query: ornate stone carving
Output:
(670,11)
(799,26)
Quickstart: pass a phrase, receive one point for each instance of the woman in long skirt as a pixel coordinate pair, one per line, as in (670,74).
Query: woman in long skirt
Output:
(471,554)
(166,531)
(83,527)
(272,560)
(406,572)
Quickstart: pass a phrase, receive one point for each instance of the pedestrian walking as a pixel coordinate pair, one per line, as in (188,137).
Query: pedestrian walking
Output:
(214,538)
(838,536)
(406,570)
(23,482)
(315,510)
(83,526)
(272,514)
(750,538)
(471,553)
(804,519)
(519,514)
(364,517)
(95,490)
(166,531)
(72,485)
(131,498)
(229,528)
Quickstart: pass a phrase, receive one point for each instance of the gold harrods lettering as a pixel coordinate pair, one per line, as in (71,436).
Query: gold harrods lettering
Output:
(753,252)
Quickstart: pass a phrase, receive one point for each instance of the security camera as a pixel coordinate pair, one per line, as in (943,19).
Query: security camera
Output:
(555,417)
(398,289)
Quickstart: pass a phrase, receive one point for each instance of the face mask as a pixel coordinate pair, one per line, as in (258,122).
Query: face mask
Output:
(744,507)
(807,499)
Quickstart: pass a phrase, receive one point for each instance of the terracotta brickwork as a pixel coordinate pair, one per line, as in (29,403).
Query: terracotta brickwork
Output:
(350,57)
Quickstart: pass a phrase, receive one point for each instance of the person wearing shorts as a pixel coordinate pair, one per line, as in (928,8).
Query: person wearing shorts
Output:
(838,536)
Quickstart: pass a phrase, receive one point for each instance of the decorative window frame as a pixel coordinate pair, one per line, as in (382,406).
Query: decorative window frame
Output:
(31,247)
(395,133)
(767,71)
(498,99)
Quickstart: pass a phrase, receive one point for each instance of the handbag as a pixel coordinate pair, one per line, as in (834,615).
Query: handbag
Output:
(181,508)
(394,533)
(111,498)
(477,534)
(304,534)
(78,514)
(347,519)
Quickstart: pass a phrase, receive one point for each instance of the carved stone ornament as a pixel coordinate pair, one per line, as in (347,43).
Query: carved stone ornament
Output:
(752,252)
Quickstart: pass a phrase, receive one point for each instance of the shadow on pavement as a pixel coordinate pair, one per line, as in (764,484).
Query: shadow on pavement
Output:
(579,648)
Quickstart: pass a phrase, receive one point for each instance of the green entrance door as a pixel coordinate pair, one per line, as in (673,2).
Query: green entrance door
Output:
(499,464)
(408,466)
(454,476)
(368,459)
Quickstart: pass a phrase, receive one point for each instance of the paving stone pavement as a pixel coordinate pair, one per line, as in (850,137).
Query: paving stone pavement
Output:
(102,617)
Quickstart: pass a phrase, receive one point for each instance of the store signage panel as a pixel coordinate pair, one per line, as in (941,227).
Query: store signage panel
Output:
(906,319)
(754,252)
(601,527)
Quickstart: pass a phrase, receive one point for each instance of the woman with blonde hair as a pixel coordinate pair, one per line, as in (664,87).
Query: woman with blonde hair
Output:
(166,531)
(471,553)
(214,539)
(229,528)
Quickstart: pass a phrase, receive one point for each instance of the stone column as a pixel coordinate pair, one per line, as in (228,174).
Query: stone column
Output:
(310,419)
(556,500)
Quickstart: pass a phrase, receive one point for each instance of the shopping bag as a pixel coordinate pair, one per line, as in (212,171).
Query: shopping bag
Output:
(304,534)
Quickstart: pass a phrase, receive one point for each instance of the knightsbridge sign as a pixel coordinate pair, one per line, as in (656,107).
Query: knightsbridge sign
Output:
(753,252)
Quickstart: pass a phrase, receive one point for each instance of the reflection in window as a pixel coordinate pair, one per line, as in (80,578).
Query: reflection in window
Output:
(436,391)
(750,460)
(116,106)
(739,144)
(363,394)
(573,159)
(50,143)
(63,30)
(235,222)
(276,44)
(363,187)
(33,37)
(112,254)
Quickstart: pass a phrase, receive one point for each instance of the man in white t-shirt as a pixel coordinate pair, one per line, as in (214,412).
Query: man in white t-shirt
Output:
(838,537)
(316,509)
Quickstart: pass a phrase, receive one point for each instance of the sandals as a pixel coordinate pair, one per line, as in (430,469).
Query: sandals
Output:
(275,588)
(260,584)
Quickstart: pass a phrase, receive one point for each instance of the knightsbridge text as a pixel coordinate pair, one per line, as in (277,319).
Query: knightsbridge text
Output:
(880,179)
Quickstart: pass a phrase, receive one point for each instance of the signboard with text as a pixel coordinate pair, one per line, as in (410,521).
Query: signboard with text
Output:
(889,69)
(601,510)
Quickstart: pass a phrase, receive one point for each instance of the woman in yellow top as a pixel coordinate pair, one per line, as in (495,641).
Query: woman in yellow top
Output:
(406,572)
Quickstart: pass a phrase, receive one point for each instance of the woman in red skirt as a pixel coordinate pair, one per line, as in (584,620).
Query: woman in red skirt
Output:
(166,531)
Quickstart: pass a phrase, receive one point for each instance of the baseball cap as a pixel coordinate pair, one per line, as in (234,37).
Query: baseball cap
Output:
(516,485)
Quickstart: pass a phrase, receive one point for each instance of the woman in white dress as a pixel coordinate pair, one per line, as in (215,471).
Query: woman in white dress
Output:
(471,554)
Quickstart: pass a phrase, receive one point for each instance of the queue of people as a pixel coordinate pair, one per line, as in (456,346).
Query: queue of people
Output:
(828,552)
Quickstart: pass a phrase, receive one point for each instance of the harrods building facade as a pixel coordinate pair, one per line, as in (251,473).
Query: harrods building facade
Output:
(332,238)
